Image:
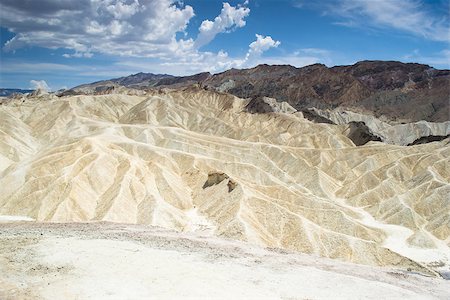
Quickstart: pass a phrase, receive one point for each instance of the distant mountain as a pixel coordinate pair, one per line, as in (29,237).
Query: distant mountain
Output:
(8,92)
(402,92)
(139,80)
(185,80)
(395,90)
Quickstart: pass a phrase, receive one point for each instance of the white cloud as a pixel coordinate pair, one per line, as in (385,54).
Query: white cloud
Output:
(230,17)
(78,54)
(199,61)
(301,57)
(39,85)
(144,28)
(262,43)
(122,10)
(410,16)
(35,68)
(128,30)
(194,63)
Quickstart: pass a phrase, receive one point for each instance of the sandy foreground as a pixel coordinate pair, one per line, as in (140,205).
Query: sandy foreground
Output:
(117,261)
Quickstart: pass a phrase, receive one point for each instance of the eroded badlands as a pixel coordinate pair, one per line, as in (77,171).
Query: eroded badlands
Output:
(195,160)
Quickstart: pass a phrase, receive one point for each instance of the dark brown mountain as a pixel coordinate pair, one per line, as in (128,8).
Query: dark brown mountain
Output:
(141,79)
(401,92)
(184,80)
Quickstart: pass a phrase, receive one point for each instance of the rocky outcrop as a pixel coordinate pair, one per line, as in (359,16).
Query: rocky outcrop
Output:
(397,134)
(360,134)
(311,115)
(261,105)
(429,139)
(216,178)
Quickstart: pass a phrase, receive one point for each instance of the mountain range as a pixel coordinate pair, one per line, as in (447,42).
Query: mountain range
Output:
(398,92)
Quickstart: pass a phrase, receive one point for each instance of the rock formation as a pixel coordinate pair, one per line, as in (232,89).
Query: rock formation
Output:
(263,105)
(171,157)
(398,134)
(360,134)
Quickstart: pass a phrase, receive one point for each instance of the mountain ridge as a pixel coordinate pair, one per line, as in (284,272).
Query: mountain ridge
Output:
(401,92)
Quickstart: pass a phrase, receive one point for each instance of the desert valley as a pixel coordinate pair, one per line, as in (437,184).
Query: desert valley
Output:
(236,149)
(203,173)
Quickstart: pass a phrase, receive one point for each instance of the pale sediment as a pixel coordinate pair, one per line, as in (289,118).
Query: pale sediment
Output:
(285,181)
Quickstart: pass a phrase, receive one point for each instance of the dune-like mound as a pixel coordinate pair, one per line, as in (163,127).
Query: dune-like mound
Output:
(196,160)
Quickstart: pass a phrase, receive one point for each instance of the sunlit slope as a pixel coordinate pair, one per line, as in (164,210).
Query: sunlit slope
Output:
(195,160)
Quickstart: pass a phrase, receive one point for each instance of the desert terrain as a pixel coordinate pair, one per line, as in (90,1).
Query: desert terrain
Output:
(186,177)
(118,261)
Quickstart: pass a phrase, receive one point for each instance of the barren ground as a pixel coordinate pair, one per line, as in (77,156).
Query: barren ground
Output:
(118,261)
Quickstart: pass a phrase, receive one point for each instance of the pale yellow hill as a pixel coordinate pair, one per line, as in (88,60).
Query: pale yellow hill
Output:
(195,160)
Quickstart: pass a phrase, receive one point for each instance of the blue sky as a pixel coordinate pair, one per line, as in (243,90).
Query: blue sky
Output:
(64,43)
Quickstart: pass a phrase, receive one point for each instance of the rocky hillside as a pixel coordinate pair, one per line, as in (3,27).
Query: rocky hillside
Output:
(398,92)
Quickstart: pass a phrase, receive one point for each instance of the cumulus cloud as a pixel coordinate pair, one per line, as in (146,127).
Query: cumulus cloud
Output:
(262,43)
(39,85)
(123,11)
(230,17)
(118,27)
(139,28)
(128,30)
(199,61)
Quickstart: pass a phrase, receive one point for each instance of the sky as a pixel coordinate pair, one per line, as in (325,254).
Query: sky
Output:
(56,44)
